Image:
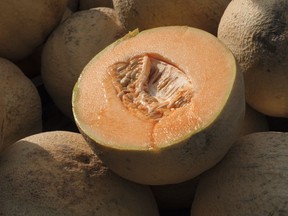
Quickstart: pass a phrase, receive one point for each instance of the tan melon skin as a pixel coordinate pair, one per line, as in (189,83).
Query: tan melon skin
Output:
(21,103)
(251,180)
(56,174)
(203,14)
(257,34)
(27,24)
(71,46)
(180,161)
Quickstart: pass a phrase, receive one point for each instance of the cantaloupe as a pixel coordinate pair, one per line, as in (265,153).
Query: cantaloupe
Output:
(26,24)
(161,106)
(71,46)
(203,14)
(56,174)
(251,180)
(257,34)
(20,105)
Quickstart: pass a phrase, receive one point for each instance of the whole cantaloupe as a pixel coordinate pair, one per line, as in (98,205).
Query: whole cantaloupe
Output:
(56,174)
(71,46)
(256,31)
(21,104)
(203,14)
(250,181)
(25,24)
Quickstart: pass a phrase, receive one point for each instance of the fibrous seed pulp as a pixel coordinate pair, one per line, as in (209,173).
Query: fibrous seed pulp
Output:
(150,86)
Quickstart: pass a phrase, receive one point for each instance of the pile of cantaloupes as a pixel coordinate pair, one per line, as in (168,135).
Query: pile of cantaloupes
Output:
(143,108)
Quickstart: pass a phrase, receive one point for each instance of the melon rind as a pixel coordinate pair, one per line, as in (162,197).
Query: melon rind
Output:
(55,173)
(250,180)
(179,160)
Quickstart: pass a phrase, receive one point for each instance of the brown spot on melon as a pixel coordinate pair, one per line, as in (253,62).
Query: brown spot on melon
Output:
(170,130)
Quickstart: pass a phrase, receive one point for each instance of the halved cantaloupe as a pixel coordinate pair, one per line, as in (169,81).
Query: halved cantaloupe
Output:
(161,106)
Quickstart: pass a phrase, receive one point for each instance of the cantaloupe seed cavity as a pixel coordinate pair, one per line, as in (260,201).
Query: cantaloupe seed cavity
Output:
(150,87)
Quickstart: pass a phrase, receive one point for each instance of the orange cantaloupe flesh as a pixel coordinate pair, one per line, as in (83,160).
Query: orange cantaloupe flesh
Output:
(206,63)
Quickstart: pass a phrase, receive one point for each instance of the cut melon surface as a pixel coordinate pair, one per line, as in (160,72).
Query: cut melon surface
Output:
(156,89)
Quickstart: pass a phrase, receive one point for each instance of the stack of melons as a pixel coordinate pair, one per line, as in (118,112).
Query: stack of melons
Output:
(132,107)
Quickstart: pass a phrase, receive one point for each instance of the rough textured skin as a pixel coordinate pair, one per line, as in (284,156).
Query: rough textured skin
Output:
(71,46)
(27,23)
(182,160)
(254,121)
(87,4)
(22,104)
(203,14)
(57,174)
(256,31)
(250,181)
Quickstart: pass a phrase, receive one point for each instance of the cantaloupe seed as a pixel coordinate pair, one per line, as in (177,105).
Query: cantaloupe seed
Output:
(150,86)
